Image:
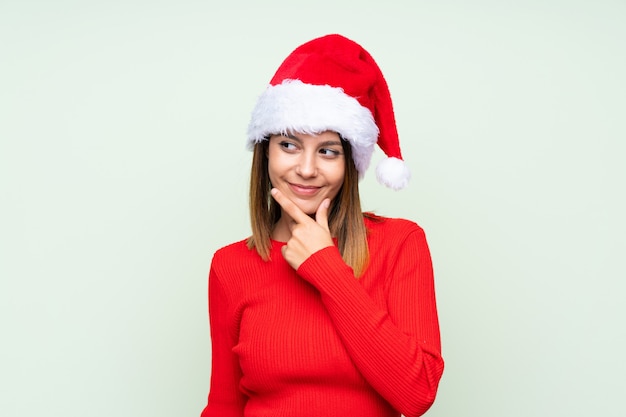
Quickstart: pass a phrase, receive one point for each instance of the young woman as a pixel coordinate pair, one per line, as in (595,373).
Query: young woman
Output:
(324,310)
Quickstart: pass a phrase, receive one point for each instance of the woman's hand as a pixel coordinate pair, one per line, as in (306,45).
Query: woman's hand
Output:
(307,235)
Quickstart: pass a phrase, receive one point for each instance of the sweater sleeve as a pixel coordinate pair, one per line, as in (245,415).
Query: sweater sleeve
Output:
(225,399)
(397,351)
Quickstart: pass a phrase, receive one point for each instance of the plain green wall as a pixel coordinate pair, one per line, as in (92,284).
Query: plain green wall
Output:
(123,167)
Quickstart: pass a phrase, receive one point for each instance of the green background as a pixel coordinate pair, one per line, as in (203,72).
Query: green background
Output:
(123,168)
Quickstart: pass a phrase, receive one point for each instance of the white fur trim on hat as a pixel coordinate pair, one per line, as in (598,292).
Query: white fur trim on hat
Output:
(393,173)
(296,107)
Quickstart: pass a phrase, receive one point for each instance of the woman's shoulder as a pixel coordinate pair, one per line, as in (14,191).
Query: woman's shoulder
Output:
(234,251)
(241,270)
(240,257)
(235,263)
(394,225)
(389,237)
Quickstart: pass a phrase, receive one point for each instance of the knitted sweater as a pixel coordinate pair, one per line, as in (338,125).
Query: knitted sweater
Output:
(319,342)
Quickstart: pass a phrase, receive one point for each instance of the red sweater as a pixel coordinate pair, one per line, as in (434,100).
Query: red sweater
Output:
(317,341)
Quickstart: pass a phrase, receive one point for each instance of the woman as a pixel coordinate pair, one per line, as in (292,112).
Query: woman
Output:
(324,310)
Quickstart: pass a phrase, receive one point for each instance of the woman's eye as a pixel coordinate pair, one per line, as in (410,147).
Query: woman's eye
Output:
(288,146)
(329,152)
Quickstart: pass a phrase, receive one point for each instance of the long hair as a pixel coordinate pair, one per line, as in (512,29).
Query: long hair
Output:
(345,219)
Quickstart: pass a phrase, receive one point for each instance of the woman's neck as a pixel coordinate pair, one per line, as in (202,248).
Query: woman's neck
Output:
(281,231)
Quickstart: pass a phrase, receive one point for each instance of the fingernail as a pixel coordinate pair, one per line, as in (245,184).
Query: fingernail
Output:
(273,191)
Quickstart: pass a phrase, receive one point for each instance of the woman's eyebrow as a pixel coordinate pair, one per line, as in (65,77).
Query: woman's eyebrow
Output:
(293,137)
(330,143)
(326,143)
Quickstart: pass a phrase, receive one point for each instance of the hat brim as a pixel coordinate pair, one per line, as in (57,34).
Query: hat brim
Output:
(296,107)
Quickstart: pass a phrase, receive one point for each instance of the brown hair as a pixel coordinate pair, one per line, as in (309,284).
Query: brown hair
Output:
(345,218)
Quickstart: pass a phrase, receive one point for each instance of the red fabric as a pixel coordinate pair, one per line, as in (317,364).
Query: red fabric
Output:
(320,342)
(340,62)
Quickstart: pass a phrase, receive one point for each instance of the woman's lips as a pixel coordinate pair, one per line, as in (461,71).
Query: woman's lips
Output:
(305,190)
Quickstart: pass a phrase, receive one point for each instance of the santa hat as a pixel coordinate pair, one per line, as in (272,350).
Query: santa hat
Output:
(332,83)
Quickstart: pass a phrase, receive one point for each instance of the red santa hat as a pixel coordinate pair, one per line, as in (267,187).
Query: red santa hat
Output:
(332,83)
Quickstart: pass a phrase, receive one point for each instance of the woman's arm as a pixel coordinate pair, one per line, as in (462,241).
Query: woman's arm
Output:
(225,398)
(397,351)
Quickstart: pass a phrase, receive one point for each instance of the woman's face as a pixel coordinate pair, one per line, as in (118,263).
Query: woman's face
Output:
(307,168)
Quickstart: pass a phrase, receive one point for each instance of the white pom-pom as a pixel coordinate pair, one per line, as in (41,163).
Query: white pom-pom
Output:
(393,173)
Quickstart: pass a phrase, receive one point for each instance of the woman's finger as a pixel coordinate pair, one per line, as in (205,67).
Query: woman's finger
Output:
(321,217)
(289,207)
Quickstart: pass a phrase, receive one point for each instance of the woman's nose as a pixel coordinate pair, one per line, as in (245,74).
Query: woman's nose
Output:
(307,166)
